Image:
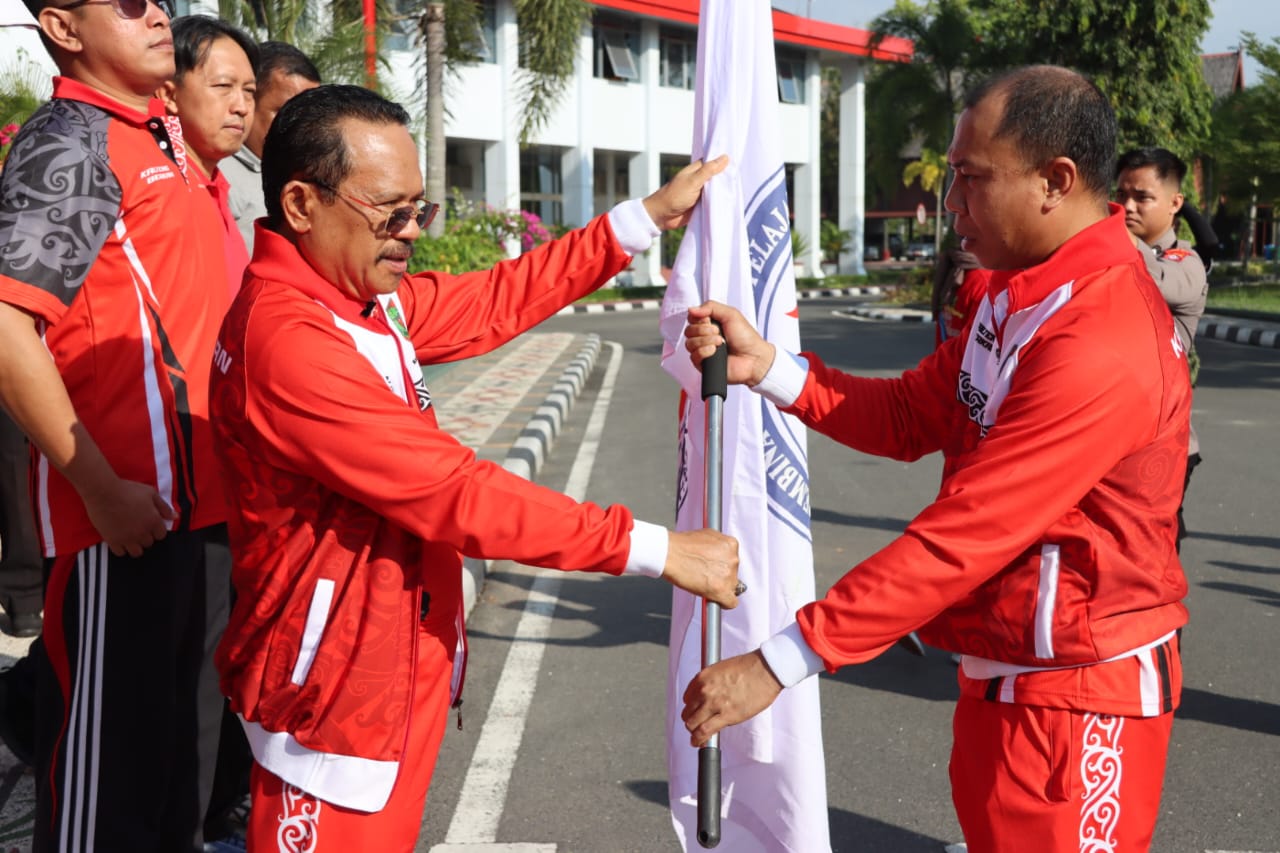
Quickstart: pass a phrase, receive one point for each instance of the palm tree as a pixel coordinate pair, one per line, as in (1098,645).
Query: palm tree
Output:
(332,35)
(931,171)
(920,99)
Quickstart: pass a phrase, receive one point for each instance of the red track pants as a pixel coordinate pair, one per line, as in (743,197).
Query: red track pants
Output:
(1029,778)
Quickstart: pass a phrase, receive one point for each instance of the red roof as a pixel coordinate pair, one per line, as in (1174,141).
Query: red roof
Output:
(788,28)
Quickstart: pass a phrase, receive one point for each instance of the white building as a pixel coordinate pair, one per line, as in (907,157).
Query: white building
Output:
(626,120)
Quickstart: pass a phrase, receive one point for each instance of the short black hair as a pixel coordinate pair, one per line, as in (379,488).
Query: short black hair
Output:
(1168,166)
(305,142)
(193,35)
(1049,112)
(276,56)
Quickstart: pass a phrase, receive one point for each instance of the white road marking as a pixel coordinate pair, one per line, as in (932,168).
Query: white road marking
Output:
(484,791)
(493,848)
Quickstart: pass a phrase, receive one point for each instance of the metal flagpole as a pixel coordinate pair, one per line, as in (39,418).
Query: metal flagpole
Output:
(715,385)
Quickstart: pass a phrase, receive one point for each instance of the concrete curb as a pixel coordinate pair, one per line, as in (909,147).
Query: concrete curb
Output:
(1216,328)
(1239,334)
(654,304)
(530,449)
(896,315)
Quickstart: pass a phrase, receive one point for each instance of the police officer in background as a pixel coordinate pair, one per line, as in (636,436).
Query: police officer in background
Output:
(1148,187)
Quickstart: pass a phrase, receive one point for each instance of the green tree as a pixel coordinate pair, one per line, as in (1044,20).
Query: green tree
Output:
(23,88)
(1246,139)
(549,33)
(1143,53)
(331,35)
(829,159)
(918,100)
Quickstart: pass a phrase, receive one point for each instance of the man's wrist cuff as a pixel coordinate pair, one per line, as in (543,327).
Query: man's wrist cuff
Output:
(648,554)
(789,656)
(632,227)
(785,380)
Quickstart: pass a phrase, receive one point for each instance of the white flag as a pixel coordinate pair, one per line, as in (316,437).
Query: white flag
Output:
(737,250)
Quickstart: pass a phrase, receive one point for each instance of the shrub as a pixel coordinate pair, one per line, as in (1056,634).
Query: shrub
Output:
(475,237)
(832,240)
(22,90)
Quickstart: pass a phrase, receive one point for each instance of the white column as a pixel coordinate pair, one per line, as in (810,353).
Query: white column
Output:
(808,214)
(577,165)
(853,162)
(645,171)
(502,158)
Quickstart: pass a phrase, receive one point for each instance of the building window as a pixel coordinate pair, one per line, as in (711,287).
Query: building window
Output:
(611,179)
(464,172)
(679,52)
(488,31)
(791,74)
(615,50)
(405,22)
(541,186)
(404,25)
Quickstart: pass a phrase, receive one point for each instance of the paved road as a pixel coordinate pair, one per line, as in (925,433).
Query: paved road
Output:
(588,772)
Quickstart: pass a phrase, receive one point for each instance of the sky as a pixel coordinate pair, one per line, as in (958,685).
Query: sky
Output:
(1230,18)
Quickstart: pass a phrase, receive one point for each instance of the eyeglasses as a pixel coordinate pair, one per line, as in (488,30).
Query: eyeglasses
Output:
(130,10)
(421,210)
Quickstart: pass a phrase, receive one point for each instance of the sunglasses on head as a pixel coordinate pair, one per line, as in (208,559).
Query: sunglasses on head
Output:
(128,9)
(421,210)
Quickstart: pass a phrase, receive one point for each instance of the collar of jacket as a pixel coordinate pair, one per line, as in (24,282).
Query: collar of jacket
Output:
(277,260)
(1104,244)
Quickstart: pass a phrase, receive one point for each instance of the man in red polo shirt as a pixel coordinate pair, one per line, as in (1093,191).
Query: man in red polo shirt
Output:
(112,284)
(212,94)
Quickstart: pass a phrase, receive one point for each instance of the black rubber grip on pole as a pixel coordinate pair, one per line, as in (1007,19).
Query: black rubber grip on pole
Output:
(715,373)
(709,796)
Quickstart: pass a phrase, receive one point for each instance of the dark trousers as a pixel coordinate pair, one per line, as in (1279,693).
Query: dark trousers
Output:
(20,559)
(129,710)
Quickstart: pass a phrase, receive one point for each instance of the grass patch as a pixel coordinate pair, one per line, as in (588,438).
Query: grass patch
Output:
(1246,297)
(624,294)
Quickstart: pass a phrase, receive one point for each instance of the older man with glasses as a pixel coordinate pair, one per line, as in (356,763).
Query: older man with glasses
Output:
(112,286)
(345,644)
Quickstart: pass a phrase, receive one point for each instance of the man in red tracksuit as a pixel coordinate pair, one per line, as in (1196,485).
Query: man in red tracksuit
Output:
(351,505)
(1047,559)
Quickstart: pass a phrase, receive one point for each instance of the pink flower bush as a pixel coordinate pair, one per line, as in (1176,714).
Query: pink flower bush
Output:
(7,133)
(534,232)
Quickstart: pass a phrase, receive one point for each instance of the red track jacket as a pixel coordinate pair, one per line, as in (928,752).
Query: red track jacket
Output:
(1062,415)
(350,504)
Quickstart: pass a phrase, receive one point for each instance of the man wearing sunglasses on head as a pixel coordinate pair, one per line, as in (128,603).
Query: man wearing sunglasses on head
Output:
(345,646)
(112,284)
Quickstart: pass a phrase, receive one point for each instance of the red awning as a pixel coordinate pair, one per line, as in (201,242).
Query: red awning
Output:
(787,28)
